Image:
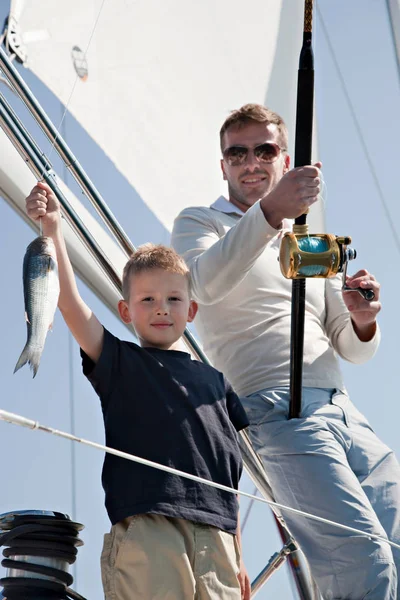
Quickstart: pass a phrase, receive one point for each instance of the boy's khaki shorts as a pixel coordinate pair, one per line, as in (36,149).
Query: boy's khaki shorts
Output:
(152,557)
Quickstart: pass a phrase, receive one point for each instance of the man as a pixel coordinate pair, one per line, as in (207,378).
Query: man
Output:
(328,462)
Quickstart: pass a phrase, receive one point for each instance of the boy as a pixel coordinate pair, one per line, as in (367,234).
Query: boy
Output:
(171,538)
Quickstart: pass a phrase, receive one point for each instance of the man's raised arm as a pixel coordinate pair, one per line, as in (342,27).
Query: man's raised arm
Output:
(219,261)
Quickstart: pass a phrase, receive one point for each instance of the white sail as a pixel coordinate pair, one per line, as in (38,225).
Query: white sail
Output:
(162,77)
(154,100)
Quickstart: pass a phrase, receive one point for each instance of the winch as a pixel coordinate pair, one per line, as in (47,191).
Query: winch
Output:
(39,547)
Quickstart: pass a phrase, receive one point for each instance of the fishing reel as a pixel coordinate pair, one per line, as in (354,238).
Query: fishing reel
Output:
(318,255)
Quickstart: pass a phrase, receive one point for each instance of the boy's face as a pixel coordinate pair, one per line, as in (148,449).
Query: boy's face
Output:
(159,308)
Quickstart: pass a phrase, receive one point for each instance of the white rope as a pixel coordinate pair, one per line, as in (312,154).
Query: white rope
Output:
(30,424)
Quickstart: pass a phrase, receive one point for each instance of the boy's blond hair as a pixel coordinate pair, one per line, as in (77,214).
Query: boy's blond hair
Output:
(151,256)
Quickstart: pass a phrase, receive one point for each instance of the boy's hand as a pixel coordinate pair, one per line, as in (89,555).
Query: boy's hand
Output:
(244,582)
(42,204)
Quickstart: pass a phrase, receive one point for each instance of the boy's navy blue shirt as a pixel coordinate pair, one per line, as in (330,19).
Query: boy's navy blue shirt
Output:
(166,407)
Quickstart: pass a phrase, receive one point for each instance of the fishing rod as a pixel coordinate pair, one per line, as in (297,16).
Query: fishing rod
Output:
(302,156)
(303,255)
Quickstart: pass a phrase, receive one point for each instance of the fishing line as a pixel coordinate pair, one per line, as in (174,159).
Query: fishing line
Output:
(73,89)
(35,425)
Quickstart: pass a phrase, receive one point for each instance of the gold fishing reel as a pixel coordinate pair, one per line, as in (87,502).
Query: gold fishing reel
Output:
(304,255)
(317,255)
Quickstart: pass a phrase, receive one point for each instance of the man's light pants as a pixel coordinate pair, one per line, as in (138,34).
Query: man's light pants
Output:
(330,463)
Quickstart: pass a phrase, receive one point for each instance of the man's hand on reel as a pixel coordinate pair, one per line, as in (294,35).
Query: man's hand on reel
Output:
(363,312)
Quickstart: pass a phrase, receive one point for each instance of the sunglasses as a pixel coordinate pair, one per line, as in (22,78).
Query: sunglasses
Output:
(264,153)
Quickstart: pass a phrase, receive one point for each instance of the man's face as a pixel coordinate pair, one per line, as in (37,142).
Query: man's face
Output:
(254,179)
(159,307)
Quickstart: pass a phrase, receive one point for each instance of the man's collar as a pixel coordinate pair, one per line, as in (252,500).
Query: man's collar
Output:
(223,205)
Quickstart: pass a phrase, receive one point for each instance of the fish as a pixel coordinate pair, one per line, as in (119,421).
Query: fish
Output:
(41,292)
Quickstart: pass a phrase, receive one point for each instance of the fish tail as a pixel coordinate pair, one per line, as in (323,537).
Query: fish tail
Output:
(29,355)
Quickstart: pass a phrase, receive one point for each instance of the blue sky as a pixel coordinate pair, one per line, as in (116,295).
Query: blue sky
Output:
(36,468)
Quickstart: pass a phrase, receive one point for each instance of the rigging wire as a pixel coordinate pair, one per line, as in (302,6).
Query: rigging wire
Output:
(248,511)
(35,425)
(393,32)
(71,392)
(357,125)
(72,425)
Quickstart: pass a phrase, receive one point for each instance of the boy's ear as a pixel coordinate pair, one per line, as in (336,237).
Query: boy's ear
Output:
(193,307)
(124,311)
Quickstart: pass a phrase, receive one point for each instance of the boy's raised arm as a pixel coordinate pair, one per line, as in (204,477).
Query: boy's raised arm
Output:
(81,321)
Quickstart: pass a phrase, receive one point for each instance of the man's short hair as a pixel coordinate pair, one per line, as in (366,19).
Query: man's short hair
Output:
(255,113)
(151,256)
